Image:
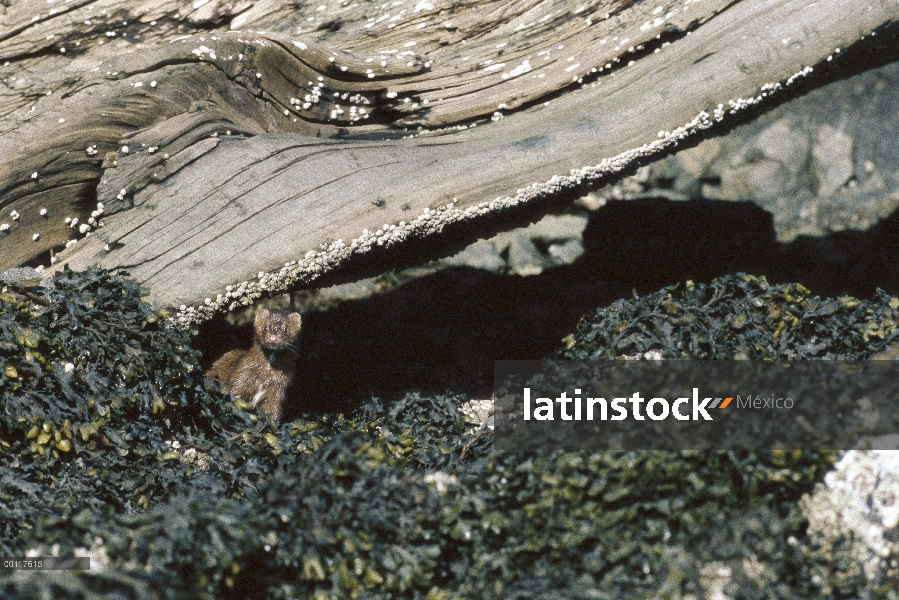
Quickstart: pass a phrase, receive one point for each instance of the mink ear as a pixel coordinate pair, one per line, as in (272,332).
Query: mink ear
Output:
(295,320)
(261,315)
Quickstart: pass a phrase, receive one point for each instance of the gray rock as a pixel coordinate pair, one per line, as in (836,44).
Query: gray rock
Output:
(565,253)
(833,159)
(768,166)
(763,179)
(480,255)
(558,228)
(23,277)
(695,162)
(560,234)
(354,290)
(860,497)
(785,141)
(524,257)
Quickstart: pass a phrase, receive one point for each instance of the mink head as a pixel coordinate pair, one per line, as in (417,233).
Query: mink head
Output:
(276,329)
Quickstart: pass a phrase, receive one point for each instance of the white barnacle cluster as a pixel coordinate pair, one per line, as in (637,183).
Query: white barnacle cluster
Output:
(803,73)
(767,90)
(313,97)
(422,132)
(92,150)
(95,214)
(356,109)
(433,220)
(85,228)
(719,112)
(204,50)
(742,103)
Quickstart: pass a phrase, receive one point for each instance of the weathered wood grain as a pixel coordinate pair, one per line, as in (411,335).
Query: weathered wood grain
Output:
(234,169)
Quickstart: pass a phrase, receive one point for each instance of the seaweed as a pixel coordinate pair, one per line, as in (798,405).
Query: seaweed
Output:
(113,442)
(737,317)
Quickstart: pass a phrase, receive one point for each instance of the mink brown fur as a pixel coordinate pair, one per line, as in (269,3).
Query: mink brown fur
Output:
(262,374)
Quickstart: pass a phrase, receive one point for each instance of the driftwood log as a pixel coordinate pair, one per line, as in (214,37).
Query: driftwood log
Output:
(224,150)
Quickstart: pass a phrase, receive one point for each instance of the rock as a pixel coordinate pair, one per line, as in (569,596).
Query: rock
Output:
(524,257)
(696,161)
(565,253)
(860,498)
(763,179)
(558,228)
(23,277)
(480,255)
(354,290)
(784,141)
(768,166)
(561,235)
(692,166)
(591,201)
(833,159)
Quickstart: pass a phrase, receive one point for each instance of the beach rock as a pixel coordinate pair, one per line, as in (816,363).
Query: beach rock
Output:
(524,257)
(480,255)
(833,159)
(768,166)
(552,241)
(860,499)
(23,277)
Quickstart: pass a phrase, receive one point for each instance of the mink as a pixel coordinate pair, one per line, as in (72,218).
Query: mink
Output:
(262,374)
